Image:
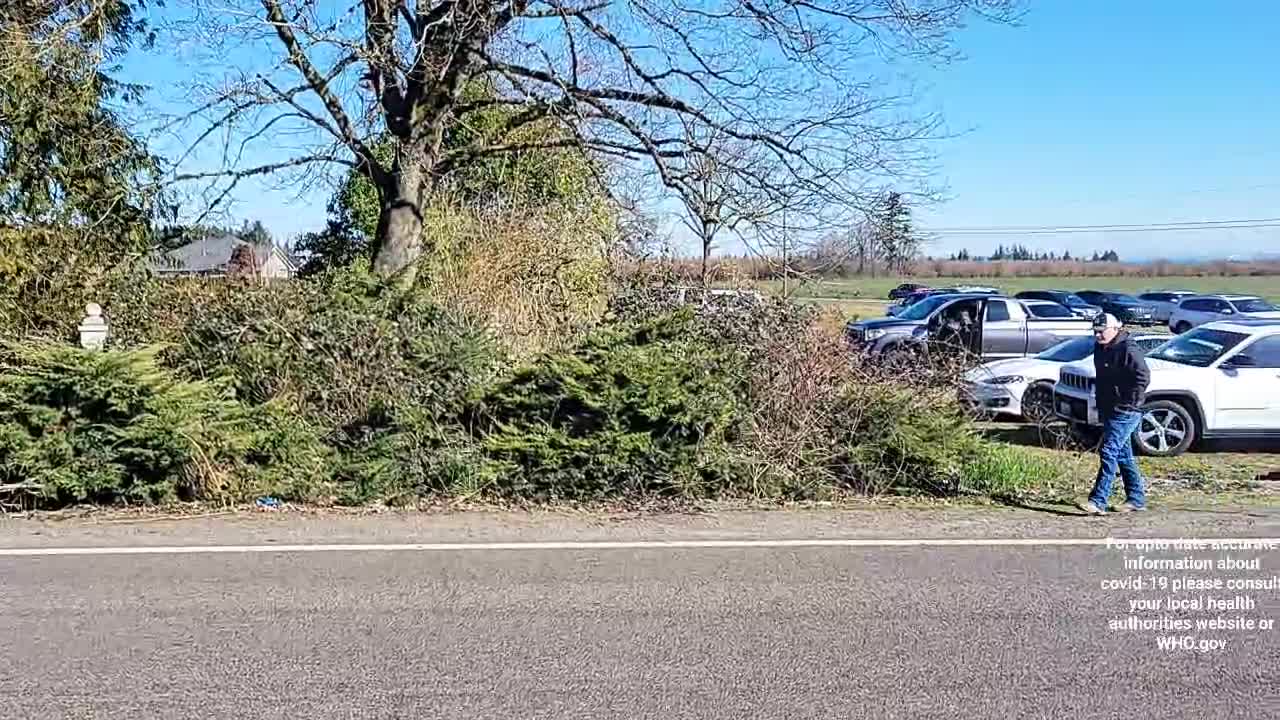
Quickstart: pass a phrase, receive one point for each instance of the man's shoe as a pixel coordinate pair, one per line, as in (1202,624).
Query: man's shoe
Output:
(1130,507)
(1090,509)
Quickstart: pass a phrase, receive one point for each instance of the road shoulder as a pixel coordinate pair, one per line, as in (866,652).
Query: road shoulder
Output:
(308,527)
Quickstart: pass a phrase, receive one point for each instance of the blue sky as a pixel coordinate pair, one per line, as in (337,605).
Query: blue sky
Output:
(1103,112)
(1089,112)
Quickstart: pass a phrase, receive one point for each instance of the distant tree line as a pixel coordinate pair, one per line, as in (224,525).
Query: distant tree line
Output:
(1021,252)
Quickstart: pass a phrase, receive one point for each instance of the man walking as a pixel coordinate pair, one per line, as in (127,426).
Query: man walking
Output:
(1122,378)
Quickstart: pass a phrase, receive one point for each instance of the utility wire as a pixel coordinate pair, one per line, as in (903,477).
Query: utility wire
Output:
(1119,227)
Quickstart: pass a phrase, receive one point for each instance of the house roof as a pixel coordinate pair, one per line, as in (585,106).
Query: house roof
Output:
(212,254)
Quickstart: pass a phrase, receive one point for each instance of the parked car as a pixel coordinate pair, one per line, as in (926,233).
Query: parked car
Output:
(1024,386)
(1220,380)
(1070,300)
(999,327)
(1047,309)
(1200,309)
(906,301)
(1164,302)
(906,289)
(1129,309)
(895,308)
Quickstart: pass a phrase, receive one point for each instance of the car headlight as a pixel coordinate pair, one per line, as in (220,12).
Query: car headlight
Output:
(1004,380)
(870,335)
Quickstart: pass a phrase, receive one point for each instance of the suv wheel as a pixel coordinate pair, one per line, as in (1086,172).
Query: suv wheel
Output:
(1182,327)
(1166,429)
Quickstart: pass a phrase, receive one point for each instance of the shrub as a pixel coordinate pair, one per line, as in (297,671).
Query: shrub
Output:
(903,439)
(347,350)
(537,275)
(112,426)
(377,377)
(822,423)
(411,455)
(286,456)
(636,411)
(107,427)
(795,386)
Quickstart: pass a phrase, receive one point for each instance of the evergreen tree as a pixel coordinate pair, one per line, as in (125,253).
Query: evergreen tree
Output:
(895,234)
(254,233)
(78,194)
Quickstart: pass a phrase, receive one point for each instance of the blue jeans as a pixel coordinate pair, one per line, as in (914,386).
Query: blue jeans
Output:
(1116,454)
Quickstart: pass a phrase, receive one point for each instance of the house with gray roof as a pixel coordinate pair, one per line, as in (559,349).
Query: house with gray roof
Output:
(225,255)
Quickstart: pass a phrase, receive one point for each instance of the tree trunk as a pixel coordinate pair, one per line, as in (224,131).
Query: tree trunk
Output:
(706,256)
(400,226)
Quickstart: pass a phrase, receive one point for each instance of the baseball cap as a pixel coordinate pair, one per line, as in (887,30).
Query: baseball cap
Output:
(1106,320)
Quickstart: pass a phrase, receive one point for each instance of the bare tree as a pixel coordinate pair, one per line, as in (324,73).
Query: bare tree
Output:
(717,183)
(864,242)
(618,80)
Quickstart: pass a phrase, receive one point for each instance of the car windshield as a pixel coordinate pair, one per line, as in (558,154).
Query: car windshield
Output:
(1075,300)
(1122,298)
(1252,305)
(1200,347)
(924,308)
(1049,311)
(1069,350)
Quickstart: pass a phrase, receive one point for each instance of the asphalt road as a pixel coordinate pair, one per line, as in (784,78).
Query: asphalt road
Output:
(589,632)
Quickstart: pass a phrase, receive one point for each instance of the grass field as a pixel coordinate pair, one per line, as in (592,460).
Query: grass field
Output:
(867,297)
(1219,473)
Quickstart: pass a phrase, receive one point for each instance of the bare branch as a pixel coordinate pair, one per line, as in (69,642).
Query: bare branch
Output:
(320,86)
(799,101)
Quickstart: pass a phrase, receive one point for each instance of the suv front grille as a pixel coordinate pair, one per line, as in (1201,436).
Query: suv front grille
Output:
(1080,382)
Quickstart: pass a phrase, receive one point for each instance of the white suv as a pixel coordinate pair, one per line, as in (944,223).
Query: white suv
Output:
(1220,380)
(1200,309)
(1164,302)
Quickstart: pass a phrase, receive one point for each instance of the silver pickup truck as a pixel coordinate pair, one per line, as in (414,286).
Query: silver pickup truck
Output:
(992,326)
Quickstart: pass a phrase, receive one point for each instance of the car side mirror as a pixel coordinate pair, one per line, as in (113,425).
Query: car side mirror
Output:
(1228,311)
(1240,361)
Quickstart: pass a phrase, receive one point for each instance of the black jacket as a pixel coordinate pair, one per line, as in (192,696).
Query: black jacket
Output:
(1122,375)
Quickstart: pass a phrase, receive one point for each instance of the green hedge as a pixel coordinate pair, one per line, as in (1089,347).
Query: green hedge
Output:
(631,412)
(342,389)
(105,427)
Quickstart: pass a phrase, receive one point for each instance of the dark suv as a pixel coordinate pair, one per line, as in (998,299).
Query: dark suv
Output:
(1127,308)
(906,289)
(1076,304)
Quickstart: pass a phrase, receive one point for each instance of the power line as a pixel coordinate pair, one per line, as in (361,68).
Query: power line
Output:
(1243,224)
(1104,227)
(1023,233)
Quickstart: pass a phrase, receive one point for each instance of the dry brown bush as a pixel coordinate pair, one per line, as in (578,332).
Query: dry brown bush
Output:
(823,419)
(536,275)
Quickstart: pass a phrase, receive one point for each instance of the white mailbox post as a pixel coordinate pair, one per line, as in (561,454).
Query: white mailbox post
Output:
(93,328)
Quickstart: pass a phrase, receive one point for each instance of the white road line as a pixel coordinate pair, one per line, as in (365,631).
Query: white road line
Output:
(1256,543)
